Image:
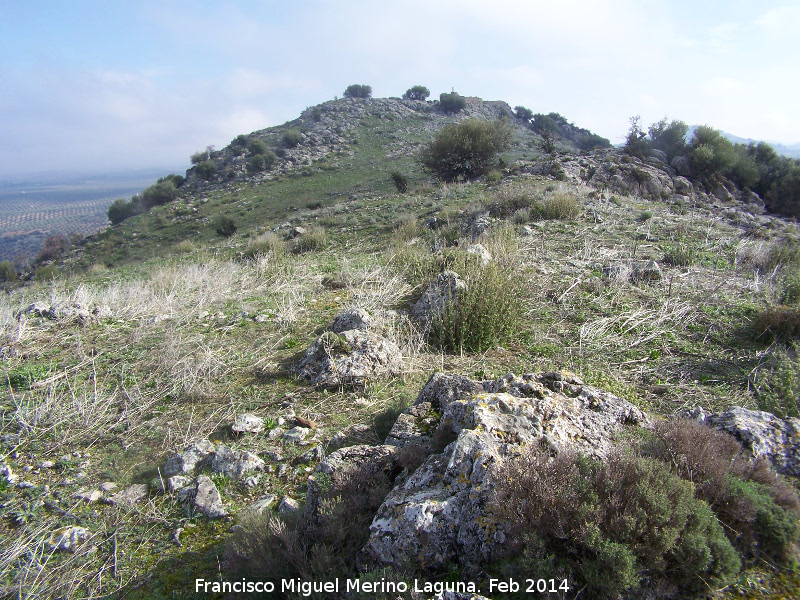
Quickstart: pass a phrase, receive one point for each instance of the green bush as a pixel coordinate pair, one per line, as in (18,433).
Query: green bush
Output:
(610,525)
(777,322)
(670,137)
(417,92)
(523,114)
(484,314)
(7,271)
(777,382)
(357,90)
(257,146)
(267,244)
(683,253)
(261,162)
(291,138)
(206,169)
(177,180)
(118,211)
(400,181)
(225,226)
(466,150)
(199,157)
(452,102)
(636,142)
(759,511)
(493,177)
(790,293)
(46,273)
(561,205)
(160,193)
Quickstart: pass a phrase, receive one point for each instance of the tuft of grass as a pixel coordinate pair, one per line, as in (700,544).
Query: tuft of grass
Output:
(314,239)
(267,244)
(561,205)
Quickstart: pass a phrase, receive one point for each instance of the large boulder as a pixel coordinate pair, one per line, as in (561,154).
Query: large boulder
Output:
(765,435)
(439,514)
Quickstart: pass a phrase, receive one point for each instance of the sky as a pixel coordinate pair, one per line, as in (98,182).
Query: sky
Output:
(94,86)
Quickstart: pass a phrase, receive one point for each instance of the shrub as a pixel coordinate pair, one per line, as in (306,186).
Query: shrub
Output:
(7,271)
(670,137)
(711,153)
(542,123)
(466,150)
(400,181)
(206,169)
(320,546)
(777,383)
(257,146)
(561,205)
(291,138)
(177,180)
(313,239)
(790,293)
(683,253)
(510,199)
(609,525)
(199,157)
(523,114)
(47,273)
(52,248)
(452,102)
(484,314)
(267,244)
(777,322)
(225,226)
(417,92)
(160,193)
(493,177)
(240,140)
(759,511)
(357,90)
(261,162)
(119,211)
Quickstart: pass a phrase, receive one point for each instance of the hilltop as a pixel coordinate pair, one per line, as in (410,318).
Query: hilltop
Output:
(327,362)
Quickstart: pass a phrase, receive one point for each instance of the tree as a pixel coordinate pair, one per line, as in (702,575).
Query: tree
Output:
(711,153)
(291,138)
(357,90)
(670,137)
(523,114)
(257,146)
(206,169)
(118,211)
(225,226)
(417,92)
(466,150)
(637,144)
(452,102)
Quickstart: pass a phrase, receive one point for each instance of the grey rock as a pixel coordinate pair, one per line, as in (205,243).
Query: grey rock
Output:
(439,515)
(682,186)
(482,253)
(350,358)
(296,434)
(527,231)
(193,457)
(47,464)
(646,271)
(235,463)
(439,295)
(203,497)
(682,166)
(313,455)
(108,486)
(68,539)
(9,475)
(288,507)
(660,156)
(275,433)
(88,496)
(247,423)
(353,318)
(765,435)
(262,504)
(431,223)
(131,495)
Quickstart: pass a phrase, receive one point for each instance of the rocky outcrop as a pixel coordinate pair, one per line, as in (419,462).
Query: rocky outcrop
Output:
(350,356)
(439,513)
(765,435)
(203,497)
(65,311)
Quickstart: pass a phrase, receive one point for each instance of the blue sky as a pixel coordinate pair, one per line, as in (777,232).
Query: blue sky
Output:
(95,86)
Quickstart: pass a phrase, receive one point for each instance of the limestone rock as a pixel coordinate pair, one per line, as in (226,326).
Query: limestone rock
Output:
(68,539)
(193,457)
(353,318)
(288,507)
(350,358)
(247,423)
(89,497)
(235,463)
(646,271)
(482,253)
(439,514)
(439,295)
(203,497)
(296,434)
(765,435)
(262,504)
(131,495)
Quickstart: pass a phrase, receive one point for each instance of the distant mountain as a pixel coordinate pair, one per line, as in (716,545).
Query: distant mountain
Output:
(792,151)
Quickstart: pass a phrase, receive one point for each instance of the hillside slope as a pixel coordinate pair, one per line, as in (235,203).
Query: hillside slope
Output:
(619,293)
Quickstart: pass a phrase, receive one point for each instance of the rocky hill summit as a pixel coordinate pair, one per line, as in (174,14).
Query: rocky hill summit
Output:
(343,349)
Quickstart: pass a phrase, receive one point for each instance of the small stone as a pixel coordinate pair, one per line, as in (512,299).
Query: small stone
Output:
(47,464)
(315,454)
(247,423)
(108,486)
(67,539)
(24,485)
(27,469)
(262,504)
(275,433)
(251,481)
(288,507)
(88,497)
(131,494)
(296,434)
